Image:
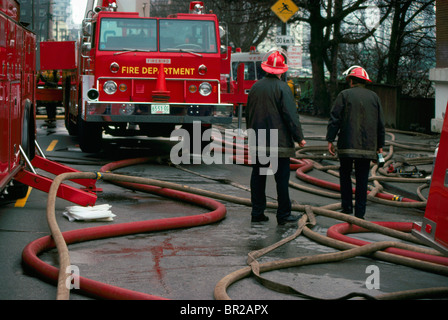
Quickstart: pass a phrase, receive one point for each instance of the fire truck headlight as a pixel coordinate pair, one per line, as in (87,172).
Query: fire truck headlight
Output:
(205,89)
(110,87)
(127,109)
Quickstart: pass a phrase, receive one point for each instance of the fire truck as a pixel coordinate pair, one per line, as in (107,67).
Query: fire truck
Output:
(245,70)
(17,115)
(252,67)
(18,158)
(143,76)
(433,229)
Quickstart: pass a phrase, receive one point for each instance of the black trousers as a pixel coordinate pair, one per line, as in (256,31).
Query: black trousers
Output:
(362,167)
(258,188)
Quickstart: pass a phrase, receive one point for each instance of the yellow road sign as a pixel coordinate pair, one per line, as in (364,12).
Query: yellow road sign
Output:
(284,9)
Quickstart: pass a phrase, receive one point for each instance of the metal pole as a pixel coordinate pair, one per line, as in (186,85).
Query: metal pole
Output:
(240,119)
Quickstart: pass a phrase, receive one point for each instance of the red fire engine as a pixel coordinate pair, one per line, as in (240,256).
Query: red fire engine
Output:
(245,70)
(18,159)
(252,68)
(143,76)
(17,124)
(434,227)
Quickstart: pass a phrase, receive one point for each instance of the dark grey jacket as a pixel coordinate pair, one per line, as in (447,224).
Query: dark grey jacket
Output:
(271,105)
(357,118)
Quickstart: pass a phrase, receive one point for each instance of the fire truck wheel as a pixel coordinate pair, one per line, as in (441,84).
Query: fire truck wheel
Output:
(90,136)
(69,119)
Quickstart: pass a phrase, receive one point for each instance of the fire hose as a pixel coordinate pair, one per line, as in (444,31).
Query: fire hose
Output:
(60,240)
(411,256)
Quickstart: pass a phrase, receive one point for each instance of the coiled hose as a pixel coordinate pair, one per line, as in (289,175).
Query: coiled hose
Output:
(60,239)
(202,197)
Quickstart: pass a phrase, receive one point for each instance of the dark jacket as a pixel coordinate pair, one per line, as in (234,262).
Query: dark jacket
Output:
(271,105)
(357,118)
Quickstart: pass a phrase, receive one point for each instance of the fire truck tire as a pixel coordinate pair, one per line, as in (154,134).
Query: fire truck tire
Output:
(70,125)
(90,136)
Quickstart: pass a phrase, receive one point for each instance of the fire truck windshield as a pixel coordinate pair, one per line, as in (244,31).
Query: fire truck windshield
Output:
(140,35)
(128,34)
(187,35)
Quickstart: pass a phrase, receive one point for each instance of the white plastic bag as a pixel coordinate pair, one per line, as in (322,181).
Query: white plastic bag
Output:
(98,213)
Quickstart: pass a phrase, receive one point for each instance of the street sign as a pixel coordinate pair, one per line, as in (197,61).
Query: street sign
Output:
(284,9)
(284,40)
(295,57)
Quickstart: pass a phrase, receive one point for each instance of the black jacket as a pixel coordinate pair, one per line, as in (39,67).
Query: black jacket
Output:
(357,118)
(271,105)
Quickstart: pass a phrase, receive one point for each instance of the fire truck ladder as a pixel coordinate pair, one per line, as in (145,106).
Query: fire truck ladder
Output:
(82,197)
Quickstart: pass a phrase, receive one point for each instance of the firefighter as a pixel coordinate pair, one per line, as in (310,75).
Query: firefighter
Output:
(295,89)
(50,80)
(271,111)
(291,85)
(357,119)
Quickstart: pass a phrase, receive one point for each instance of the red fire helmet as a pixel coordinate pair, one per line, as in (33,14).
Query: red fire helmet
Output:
(107,3)
(358,72)
(275,64)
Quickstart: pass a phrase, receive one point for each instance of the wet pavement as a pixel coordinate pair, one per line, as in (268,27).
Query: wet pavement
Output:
(187,264)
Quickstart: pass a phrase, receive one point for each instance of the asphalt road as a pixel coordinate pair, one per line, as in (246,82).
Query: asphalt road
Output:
(187,263)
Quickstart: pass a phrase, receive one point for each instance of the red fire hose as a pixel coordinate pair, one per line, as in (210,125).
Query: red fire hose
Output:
(101,290)
(339,232)
(308,165)
(302,166)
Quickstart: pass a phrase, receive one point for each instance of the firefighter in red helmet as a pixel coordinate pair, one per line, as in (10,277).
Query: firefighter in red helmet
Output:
(357,72)
(357,120)
(270,111)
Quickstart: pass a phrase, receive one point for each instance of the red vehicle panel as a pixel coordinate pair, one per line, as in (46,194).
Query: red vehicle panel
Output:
(58,55)
(434,227)
(17,63)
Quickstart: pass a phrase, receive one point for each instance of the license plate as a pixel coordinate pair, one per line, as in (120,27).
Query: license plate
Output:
(160,109)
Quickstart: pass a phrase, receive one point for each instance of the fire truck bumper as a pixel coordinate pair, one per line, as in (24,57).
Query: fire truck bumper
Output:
(157,112)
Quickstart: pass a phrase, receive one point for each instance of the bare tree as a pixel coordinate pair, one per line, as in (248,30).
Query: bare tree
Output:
(248,21)
(404,24)
(339,35)
(403,49)
(326,19)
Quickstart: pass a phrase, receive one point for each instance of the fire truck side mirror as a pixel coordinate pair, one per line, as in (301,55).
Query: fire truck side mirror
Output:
(223,36)
(86,28)
(222,31)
